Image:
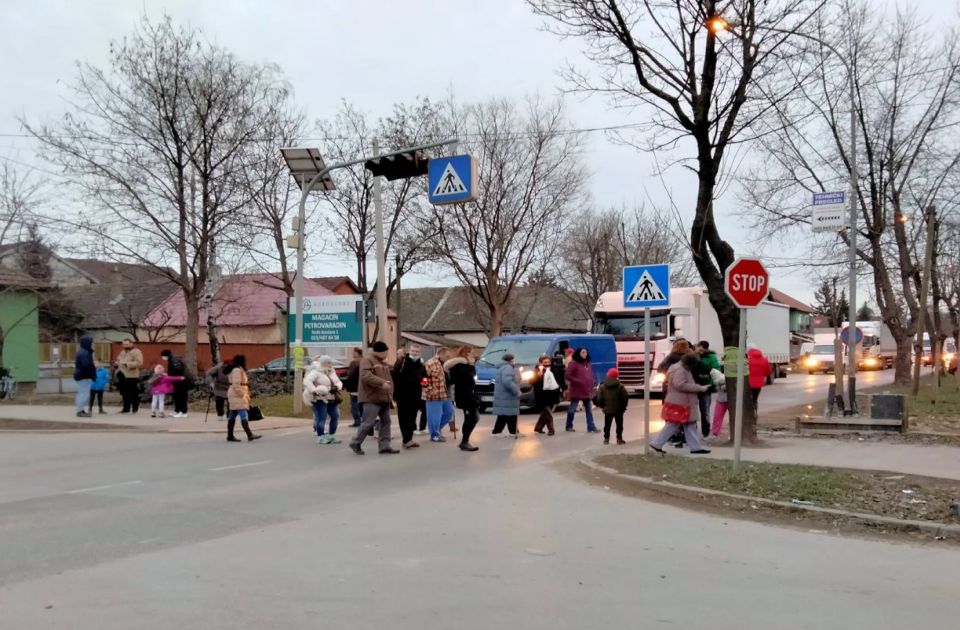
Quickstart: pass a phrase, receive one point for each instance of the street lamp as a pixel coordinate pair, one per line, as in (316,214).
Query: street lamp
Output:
(718,24)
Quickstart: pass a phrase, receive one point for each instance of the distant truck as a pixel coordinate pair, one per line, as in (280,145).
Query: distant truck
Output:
(690,316)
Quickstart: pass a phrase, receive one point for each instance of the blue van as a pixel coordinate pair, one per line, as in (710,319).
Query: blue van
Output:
(528,348)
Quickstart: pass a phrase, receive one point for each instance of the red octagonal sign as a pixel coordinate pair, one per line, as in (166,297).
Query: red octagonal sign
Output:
(747,282)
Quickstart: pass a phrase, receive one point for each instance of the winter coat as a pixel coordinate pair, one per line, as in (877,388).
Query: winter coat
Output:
(546,388)
(352,380)
(84,367)
(374,373)
(463,375)
(758,368)
(436,385)
(683,390)
(701,374)
(163,384)
(102,381)
(560,372)
(238,395)
(129,362)
(664,368)
(719,385)
(319,385)
(612,397)
(219,380)
(580,380)
(506,391)
(408,376)
(709,360)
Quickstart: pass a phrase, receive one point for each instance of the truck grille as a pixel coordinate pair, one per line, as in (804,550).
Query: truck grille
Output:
(632,373)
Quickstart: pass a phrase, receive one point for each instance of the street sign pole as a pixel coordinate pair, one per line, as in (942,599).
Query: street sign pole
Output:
(646,381)
(741,397)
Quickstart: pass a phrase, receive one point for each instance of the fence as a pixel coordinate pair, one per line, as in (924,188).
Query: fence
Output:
(257,354)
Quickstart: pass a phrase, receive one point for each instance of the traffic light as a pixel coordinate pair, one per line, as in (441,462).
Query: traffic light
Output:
(398,165)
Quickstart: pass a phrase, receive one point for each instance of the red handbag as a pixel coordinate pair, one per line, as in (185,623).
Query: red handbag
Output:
(675,413)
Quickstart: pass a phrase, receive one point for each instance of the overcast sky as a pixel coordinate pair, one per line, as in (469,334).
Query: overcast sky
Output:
(372,53)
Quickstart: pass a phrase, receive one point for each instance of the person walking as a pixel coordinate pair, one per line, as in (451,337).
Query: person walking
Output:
(129,363)
(97,387)
(463,376)
(613,398)
(758,370)
(218,379)
(181,389)
(321,390)
(436,395)
(376,387)
(84,373)
(581,382)
(680,407)
(161,385)
(708,363)
(238,397)
(351,383)
(680,348)
(546,393)
(408,375)
(720,406)
(506,398)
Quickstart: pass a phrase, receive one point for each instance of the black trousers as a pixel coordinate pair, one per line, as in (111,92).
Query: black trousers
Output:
(545,420)
(180,391)
(222,406)
(130,391)
(609,419)
(407,418)
(755,394)
(423,416)
(470,419)
(703,399)
(99,396)
(510,422)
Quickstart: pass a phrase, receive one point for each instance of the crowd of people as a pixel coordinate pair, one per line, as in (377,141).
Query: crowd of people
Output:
(432,389)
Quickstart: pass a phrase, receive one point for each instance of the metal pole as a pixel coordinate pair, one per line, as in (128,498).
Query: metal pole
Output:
(738,414)
(298,299)
(382,318)
(646,381)
(851,408)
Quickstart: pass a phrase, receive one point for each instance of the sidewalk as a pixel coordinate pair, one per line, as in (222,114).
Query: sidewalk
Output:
(193,423)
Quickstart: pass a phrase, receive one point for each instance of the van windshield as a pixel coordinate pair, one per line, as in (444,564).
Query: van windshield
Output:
(822,349)
(526,351)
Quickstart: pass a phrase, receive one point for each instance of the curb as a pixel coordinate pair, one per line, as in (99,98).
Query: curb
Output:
(688,492)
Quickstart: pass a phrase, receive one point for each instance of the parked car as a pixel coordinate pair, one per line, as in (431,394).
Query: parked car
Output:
(285,364)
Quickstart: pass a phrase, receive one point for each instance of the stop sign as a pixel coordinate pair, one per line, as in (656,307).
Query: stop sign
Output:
(747,282)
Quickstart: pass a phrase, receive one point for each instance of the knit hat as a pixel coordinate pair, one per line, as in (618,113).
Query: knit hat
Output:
(380,346)
(613,373)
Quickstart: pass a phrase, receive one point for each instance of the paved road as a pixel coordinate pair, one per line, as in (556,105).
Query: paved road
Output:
(118,531)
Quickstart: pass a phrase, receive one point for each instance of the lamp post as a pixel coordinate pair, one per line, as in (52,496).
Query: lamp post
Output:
(717,24)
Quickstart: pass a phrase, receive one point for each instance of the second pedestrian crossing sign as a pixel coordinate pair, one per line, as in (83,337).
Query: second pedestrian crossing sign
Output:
(646,286)
(452,179)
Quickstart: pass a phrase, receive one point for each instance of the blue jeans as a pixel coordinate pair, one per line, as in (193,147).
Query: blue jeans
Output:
(587,408)
(233,414)
(355,410)
(439,413)
(321,409)
(83,394)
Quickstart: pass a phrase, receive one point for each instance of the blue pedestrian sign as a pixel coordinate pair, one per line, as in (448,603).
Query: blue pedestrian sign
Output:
(452,180)
(646,286)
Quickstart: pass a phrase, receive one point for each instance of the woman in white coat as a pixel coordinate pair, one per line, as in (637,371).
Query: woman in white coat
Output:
(321,390)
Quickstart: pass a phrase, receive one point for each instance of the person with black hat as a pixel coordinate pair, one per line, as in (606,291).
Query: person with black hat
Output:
(376,387)
(181,389)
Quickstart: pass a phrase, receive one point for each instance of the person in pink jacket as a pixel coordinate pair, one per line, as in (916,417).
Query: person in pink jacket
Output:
(758,369)
(161,384)
(682,392)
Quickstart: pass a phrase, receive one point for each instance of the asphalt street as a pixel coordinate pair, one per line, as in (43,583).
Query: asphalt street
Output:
(124,530)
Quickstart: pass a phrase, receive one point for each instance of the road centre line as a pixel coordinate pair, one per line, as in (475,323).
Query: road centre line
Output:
(96,488)
(260,463)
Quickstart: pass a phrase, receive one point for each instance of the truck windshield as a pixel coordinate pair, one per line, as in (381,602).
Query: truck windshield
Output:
(525,351)
(629,325)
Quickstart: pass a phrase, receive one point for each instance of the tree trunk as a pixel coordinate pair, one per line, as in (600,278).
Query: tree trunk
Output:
(212,338)
(496,321)
(902,363)
(190,331)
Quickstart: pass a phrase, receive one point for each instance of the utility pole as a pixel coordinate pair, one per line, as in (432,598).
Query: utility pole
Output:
(382,311)
(924,291)
(851,408)
(396,263)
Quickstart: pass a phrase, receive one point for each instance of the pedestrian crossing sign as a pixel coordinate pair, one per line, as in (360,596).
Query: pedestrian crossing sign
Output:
(452,179)
(646,286)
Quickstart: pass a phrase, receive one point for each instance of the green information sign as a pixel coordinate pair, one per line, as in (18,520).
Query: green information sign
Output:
(329,321)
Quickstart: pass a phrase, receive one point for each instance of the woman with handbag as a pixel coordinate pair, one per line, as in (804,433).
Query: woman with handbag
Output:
(322,391)
(238,397)
(681,408)
(546,392)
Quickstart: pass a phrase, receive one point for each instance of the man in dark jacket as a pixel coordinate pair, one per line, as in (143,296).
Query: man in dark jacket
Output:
(701,374)
(408,374)
(84,371)
(351,383)
(176,367)
(376,386)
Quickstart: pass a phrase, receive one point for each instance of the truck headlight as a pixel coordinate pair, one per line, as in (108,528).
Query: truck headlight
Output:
(948,357)
(870,362)
(811,362)
(658,379)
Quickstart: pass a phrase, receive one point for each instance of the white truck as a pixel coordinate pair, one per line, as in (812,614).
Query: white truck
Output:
(690,316)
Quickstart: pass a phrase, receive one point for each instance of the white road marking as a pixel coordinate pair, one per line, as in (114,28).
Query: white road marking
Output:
(96,488)
(260,463)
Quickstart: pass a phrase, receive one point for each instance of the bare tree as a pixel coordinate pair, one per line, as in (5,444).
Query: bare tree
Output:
(907,85)
(19,201)
(704,93)
(530,177)
(153,143)
(608,240)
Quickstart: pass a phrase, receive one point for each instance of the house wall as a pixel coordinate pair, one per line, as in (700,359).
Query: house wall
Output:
(62,274)
(21,334)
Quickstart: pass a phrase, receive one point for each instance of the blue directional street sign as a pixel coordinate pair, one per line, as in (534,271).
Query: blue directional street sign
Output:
(646,286)
(857,336)
(452,180)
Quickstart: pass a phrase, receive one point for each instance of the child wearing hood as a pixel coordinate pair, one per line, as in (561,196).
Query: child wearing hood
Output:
(613,398)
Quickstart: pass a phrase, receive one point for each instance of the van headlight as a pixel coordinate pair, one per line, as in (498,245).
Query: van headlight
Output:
(811,362)
(948,357)
(871,362)
(527,375)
